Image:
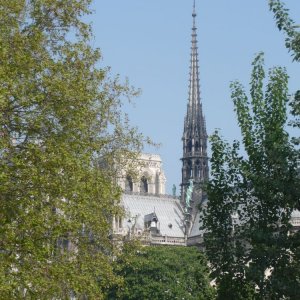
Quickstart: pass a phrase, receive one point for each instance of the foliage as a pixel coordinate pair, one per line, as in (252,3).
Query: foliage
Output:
(163,272)
(59,116)
(251,198)
(222,241)
(291,29)
(286,24)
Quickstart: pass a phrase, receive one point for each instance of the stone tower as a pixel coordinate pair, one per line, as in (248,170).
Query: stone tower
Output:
(194,159)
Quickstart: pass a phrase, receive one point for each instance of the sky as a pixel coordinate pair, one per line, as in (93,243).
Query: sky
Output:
(148,42)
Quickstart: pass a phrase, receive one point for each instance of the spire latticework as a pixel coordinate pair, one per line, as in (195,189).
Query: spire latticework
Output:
(194,160)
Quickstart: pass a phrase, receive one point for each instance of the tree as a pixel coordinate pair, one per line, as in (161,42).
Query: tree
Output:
(292,42)
(288,26)
(162,272)
(251,198)
(60,115)
(224,245)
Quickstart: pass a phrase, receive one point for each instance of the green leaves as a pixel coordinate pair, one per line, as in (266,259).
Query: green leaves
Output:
(251,198)
(286,24)
(164,272)
(60,117)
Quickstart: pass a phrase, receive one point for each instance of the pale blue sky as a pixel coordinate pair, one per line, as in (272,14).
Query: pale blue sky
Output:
(148,41)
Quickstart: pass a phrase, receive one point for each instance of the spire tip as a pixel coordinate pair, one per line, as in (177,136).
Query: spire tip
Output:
(194,15)
(194,10)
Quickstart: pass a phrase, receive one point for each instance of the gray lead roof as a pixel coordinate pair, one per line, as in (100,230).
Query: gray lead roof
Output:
(168,211)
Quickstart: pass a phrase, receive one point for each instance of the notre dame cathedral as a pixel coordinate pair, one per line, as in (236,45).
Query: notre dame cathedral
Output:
(150,214)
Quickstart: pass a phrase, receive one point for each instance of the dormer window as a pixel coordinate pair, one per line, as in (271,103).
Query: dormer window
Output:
(151,223)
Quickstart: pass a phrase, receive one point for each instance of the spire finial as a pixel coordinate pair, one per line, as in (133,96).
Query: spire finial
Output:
(194,14)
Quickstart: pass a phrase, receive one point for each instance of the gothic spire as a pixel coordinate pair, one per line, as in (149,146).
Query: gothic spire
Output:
(194,160)
(194,110)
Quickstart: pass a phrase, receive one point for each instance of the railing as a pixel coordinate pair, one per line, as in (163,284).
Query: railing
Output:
(196,154)
(166,240)
(151,195)
(195,240)
(295,221)
(147,239)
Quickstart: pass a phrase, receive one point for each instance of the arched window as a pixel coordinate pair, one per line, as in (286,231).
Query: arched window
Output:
(197,147)
(128,184)
(189,146)
(144,185)
(190,170)
(197,169)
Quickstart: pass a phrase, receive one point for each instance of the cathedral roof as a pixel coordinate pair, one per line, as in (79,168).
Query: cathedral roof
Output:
(168,211)
(296,214)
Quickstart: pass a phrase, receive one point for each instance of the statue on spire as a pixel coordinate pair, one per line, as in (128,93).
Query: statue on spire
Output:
(189,193)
